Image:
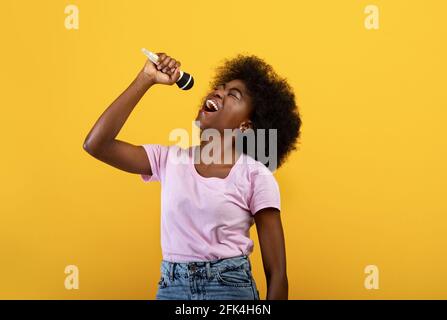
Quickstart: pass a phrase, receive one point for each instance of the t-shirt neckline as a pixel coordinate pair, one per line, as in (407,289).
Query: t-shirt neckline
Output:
(197,174)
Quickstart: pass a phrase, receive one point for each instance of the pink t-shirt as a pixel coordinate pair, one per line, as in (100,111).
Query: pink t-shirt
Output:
(208,218)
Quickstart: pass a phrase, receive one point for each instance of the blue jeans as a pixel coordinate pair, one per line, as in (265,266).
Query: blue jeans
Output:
(223,279)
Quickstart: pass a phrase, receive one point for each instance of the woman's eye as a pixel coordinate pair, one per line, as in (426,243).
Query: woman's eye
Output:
(234,96)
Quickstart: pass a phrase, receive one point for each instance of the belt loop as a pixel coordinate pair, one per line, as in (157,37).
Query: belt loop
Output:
(171,271)
(208,270)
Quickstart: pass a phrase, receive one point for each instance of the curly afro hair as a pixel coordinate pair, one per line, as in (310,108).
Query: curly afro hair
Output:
(272,97)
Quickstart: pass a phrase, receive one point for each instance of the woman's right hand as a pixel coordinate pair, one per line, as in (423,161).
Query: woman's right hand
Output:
(166,71)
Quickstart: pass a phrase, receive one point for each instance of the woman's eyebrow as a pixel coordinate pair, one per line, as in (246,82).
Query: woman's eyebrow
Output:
(234,88)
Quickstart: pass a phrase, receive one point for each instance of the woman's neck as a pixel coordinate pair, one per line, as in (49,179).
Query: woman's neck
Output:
(221,152)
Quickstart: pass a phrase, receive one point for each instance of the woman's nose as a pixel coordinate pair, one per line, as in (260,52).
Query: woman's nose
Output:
(217,92)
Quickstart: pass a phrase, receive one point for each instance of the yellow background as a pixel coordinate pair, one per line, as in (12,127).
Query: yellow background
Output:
(367,186)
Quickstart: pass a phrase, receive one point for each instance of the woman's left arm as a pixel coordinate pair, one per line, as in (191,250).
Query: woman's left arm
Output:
(271,240)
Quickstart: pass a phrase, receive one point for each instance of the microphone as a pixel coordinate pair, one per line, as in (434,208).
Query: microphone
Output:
(185,82)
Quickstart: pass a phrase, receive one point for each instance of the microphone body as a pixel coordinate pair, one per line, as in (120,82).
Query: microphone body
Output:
(185,82)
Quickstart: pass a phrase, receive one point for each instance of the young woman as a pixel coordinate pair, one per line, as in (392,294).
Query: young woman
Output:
(208,207)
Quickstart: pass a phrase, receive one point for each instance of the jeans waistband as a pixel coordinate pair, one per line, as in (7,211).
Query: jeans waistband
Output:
(218,265)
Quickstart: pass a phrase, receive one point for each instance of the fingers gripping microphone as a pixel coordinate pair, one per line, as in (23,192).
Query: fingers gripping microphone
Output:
(185,82)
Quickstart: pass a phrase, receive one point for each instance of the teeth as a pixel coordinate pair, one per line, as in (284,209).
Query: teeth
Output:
(213,104)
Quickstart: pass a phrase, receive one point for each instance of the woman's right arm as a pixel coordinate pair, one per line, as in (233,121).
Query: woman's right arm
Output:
(101,141)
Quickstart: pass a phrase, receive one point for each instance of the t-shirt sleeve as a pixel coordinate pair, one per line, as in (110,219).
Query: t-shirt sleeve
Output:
(157,155)
(265,191)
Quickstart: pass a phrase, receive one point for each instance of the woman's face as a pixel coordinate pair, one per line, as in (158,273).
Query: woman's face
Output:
(233,106)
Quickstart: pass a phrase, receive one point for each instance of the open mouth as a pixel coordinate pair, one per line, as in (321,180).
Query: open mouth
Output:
(211,106)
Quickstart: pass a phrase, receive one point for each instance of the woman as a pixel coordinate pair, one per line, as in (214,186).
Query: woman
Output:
(208,207)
